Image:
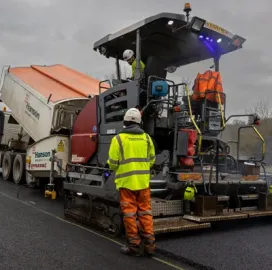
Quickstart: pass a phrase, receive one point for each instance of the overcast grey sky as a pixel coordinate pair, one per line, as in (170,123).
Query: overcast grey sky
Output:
(48,32)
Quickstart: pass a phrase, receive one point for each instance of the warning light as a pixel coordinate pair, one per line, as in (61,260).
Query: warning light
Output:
(176,109)
(256,120)
(207,38)
(170,22)
(237,41)
(187,7)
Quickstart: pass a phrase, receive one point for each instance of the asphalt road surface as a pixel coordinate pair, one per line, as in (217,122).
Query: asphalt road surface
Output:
(35,236)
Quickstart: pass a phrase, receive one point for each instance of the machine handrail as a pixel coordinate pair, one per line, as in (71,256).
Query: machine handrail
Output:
(260,137)
(192,118)
(103,87)
(220,105)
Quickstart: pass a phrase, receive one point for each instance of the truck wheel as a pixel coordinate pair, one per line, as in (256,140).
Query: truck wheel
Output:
(7,166)
(30,180)
(1,158)
(19,169)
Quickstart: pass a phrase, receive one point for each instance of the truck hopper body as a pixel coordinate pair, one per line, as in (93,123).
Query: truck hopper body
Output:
(44,101)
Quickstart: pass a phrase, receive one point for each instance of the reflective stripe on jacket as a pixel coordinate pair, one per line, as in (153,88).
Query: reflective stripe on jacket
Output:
(131,155)
(133,67)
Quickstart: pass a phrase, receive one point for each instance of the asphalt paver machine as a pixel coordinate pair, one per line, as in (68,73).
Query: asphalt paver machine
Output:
(182,129)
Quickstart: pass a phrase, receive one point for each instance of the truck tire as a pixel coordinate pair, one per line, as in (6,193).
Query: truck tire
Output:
(7,166)
(1,158)
(30,180)
(19,169)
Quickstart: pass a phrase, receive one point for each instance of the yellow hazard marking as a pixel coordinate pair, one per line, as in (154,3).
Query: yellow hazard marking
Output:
(216,28)
(60,147)
(88,230)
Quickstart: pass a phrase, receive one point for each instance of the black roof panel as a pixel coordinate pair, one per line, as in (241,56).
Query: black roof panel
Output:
(173,48)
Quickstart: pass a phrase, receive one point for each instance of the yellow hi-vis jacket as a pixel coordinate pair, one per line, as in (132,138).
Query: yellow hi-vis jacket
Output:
(131,155)
(133,67)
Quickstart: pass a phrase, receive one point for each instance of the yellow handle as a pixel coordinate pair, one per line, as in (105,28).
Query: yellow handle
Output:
(193,120)
(221,110)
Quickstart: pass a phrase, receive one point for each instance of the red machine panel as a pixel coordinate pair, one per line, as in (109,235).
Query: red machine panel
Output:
(192,137)
(85,138)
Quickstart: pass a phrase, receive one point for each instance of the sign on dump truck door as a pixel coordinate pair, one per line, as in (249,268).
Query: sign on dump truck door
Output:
(39,159)
(60,147)
(39,155)
(29,108)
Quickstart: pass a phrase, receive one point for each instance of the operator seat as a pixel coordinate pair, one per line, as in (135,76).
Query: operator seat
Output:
(154,67)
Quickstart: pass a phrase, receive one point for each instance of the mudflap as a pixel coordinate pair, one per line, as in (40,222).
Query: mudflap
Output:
(265,201)
(207,206)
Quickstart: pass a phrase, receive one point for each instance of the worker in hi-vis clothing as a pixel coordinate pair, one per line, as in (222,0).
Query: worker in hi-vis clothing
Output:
(129,56)
(131,156)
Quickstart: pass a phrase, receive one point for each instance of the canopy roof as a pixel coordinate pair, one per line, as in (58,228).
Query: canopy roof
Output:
(173,48)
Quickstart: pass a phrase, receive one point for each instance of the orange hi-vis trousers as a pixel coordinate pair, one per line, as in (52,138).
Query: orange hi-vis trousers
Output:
(137,204)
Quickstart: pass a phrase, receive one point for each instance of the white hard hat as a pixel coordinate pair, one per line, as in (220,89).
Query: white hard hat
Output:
(127,54)
(133,115)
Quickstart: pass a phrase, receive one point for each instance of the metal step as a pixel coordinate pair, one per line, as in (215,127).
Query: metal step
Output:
(176,224)
(249,197)
(226,216)
(157,190)
(162,207)
(247,208)
(157,182)
(222,198)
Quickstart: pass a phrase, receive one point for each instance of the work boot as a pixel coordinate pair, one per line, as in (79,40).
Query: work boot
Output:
(149,250)
(130,251)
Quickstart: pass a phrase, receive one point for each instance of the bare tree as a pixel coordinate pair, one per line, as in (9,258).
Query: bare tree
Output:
(262,108)
(250,141)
